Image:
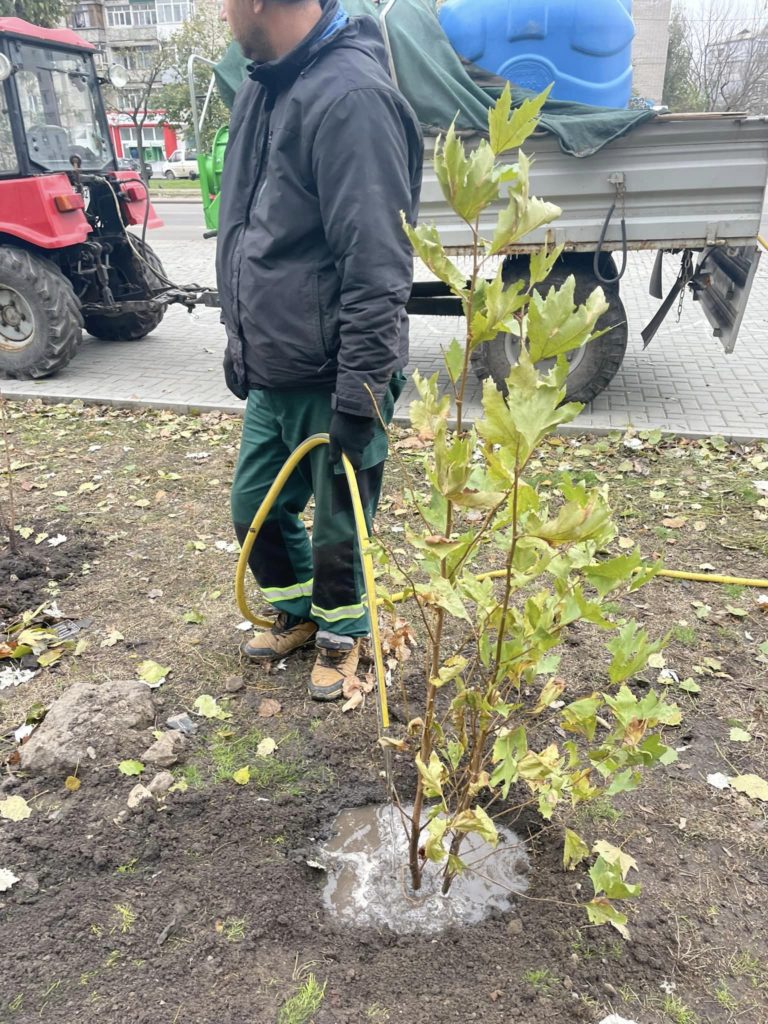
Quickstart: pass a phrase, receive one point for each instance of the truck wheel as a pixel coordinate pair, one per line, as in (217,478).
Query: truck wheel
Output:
(169,175)
(40,319)
(138,323)
(593,366)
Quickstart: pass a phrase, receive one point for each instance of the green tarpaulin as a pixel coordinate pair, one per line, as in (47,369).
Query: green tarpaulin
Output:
(441,87)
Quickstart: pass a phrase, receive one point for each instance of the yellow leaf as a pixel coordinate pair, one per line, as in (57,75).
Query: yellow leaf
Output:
(626,543)
(752,785)
(699,526)
(266,747)
(242,776)
(15,808)
(614,855)
(674,523)
(72,783)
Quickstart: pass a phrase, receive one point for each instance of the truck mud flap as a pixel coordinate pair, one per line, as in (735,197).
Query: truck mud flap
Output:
(722,285)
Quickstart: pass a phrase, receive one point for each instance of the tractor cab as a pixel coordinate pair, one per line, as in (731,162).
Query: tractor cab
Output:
(73,251)
(52,116)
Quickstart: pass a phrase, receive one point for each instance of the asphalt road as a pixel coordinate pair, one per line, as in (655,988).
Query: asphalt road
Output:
(183,221)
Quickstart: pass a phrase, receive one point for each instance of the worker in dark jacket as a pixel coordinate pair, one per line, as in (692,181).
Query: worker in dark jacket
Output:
(314,273)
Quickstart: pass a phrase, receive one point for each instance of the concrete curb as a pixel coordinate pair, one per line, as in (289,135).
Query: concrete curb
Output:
(235,407)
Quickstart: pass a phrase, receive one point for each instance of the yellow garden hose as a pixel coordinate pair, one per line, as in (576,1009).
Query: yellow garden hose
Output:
(367,562)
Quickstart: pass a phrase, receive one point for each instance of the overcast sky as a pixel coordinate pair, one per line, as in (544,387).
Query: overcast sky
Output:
(738,8)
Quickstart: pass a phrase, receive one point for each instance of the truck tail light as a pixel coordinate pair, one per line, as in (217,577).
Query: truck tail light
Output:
(70,201)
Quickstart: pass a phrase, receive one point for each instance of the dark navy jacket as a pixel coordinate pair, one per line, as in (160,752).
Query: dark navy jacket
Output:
(314,269)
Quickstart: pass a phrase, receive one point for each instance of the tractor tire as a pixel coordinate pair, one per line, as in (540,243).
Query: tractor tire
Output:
(593,367)
(135,325)
(40,319)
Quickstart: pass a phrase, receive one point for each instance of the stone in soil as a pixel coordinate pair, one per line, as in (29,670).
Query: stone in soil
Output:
(90,723)
(161,783)
(365,858)
(165,751)
(182,723)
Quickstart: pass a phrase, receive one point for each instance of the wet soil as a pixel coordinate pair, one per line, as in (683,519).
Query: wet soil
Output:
(202,907)
(26,574)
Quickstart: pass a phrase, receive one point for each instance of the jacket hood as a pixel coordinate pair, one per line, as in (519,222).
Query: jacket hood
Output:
(359,33)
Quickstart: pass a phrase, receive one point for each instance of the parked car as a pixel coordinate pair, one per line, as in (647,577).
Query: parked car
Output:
(181,164)
(125,163)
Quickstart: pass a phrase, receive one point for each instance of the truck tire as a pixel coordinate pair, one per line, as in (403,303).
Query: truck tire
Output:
(593,367)
(137,324)
(40,319)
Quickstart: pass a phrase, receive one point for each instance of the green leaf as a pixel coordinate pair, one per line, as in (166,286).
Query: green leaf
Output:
(542,263)
(152,673)
(470,183)
(689,685)
(242,776)
(631,650)
(452,668)
(607,575)
(433,848)
(130,767)
(575,850)
(440,593)
(601,911)
(510,128)
(454,360)
(433,775)
(615,856)
(609,879)
(426,242)
(581,716)
(739,735)
(522,216)
(193,618)
(624,782)
(556,325)
(536,410)
(206,707)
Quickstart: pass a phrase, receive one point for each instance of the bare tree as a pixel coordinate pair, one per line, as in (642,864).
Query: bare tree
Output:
(143,82)
(728,56)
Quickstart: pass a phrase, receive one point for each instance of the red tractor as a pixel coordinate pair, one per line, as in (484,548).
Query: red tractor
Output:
(67,259)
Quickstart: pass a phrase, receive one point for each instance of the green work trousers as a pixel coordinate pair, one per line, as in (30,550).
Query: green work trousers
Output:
(319,579)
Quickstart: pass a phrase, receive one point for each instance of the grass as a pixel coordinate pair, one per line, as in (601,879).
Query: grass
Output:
(161,185)
(541,979)
(307,1001)
(126,918)
(677,1011)
(234,929)
(230,754)
(685,634)
(600,809)
(724,996)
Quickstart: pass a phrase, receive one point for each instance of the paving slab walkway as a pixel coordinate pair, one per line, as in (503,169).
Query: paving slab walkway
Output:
(683,383)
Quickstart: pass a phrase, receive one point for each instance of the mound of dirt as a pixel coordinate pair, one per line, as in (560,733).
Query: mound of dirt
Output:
(25,573)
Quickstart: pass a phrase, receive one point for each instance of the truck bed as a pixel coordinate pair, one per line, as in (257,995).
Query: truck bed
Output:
(691,181)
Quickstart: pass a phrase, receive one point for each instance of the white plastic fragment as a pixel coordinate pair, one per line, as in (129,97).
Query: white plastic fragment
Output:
(719,781)
(12,675)
(614,1018)
(7,879)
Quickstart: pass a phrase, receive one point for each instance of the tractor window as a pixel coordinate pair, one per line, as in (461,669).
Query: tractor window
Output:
(8,162)
(57,97)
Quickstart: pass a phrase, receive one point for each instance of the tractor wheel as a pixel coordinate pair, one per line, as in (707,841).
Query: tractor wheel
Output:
(40,319)
(592,367)
(134,325)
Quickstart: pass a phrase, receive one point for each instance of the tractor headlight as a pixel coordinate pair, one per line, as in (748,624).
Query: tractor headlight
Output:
(118,76)
(6,68)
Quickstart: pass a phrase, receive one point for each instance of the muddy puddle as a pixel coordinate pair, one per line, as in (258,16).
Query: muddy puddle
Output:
(368,881)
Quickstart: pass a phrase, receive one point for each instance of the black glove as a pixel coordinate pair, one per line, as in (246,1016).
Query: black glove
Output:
(351,435)
(233,382)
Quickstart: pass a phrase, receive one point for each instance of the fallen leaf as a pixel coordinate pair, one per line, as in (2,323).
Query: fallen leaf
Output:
(738,613)
(351,685)
(242,776)
(269,707)
(142,503)
(266,747)
(699,526)
(752,785)
(152,673)
(738,735)
(15,808)
(192,618)
(207,707)
(113,637)
(626,543)
(130,767)
(72,783)
(689,685)
(154,594)
(7,879)
(674,523)
(354,701)
(657,660)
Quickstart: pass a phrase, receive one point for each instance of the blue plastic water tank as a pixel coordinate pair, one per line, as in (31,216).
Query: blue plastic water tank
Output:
(583,46)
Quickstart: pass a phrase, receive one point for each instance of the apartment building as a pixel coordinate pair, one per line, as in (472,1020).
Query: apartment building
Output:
(649,52)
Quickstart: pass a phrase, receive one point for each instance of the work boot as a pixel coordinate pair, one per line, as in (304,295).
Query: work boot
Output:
(337,659)
(286,636)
